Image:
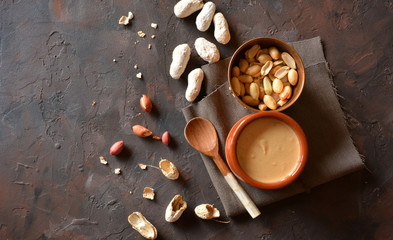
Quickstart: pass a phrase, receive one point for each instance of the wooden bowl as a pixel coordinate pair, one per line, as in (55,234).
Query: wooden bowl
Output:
(231,146)
(266,42)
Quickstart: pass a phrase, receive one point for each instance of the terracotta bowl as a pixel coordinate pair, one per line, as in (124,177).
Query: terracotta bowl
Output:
(231,146)
(266,42)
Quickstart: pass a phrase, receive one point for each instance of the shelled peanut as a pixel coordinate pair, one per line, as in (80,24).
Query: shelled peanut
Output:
(264,78)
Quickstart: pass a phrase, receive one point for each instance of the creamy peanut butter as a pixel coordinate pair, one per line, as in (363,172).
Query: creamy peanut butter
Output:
(268,150)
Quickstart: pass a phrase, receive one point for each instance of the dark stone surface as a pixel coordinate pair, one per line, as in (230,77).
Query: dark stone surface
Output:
(56,58)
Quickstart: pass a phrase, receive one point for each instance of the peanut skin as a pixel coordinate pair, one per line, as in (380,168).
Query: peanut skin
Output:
(146,103)
(116,148)
(141,131)
(166,138)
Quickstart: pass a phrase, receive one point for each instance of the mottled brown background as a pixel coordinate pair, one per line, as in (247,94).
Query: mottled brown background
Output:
(56,58)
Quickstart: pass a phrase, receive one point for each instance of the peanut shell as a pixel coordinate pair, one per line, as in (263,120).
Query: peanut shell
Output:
(169,169)
(142,225)
(206,211)
(175,209)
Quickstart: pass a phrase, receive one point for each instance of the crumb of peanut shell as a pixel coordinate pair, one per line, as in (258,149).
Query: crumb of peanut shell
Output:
(130,15)
(94,103)
(142,166)
(102,160)
(156,138)
(141,34)
(153,36)
(117,171)
(148,193)
(139,75)
(154,25)
(149,46)
(126,20)
(136,66)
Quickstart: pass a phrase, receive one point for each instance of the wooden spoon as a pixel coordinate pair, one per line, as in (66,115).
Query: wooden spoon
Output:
(201,135)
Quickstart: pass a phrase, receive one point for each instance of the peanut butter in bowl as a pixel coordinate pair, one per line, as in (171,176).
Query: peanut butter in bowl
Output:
(267,150)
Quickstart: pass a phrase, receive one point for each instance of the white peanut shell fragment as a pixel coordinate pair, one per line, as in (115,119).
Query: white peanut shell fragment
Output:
(154,25)
(195,78)
(175,209)
(103,161)
(148,193)
(169,169)
(142,225)
(124,20)
(185,8)
(207,211)
(205,17)
(130,15)
(180,56)
(142,166)
(221,29)
(208,51)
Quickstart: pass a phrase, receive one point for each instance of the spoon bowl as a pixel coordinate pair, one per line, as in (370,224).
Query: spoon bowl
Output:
(201,135)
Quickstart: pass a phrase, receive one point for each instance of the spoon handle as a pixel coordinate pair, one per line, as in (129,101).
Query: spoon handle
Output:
(243,196)
(239,191)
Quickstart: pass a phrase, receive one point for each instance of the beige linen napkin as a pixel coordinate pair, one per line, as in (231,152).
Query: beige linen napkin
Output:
(331,151)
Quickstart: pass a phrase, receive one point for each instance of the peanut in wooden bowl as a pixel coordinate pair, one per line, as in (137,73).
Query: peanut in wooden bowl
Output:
(266,42)
(232,155)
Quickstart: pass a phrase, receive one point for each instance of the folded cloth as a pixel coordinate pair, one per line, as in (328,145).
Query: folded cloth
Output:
(331,150)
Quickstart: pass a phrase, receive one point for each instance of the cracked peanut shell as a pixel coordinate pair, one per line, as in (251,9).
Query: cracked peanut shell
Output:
(207,211)
(142,225)
(148,193)
(169,169)
(175,209)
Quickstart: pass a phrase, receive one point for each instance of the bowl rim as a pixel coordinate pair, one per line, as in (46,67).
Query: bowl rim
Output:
(231,145)
(300,65)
